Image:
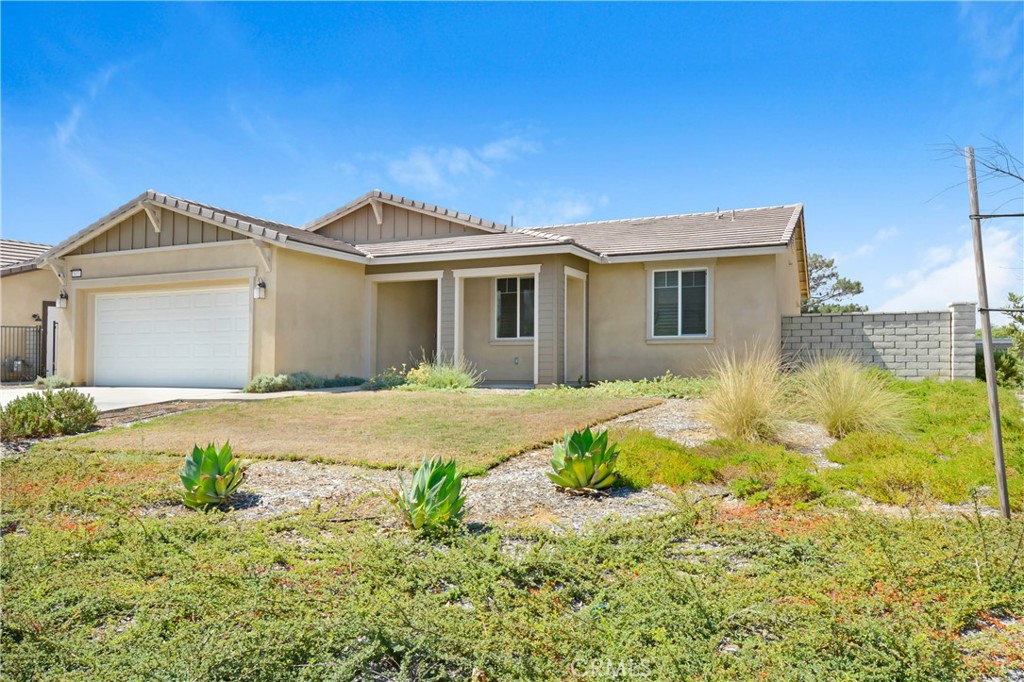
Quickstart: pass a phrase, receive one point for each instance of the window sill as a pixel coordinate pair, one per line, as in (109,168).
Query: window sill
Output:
(511,342)
(672,340)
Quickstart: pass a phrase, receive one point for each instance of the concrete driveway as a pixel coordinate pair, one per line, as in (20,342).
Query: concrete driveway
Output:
(111,398)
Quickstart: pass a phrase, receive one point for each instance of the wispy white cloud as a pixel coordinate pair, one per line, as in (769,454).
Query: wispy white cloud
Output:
(993,32)
(263,128)
(556,206)
(946,274)
(510,148)
(66,130)
(446,169)
(886,233)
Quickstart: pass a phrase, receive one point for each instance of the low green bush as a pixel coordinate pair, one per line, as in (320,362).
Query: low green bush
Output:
(755,471)
(434,497)
(1009,368)
(440,373)
(667,385)
(297,381)
(47,413)
(392,377)
(52,382)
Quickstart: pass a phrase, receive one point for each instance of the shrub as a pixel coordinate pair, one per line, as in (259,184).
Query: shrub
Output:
(843,396)
(584,461)
(745,398)
(1009,369)
(297,381)
(667,385)
(52,382)
(392,377)
(48,413)
(268,383)
(437,372)
(434,498)
(210,477)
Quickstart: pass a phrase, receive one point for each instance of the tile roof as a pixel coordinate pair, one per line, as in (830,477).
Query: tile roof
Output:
(460,243)
(440,211)
(745,228)
(13,252)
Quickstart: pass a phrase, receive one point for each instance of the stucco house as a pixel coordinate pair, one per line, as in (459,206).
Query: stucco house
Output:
(165,291)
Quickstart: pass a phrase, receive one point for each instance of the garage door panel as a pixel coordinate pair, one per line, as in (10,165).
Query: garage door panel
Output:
(181,338)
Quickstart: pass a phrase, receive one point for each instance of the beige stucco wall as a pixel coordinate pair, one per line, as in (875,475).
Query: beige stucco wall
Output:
(550,296)
(406,323)
(22,295)
(744,303)
(503,360)
(320,315)
(162,269)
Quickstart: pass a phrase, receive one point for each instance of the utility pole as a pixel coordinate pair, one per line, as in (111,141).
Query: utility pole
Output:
(986,336)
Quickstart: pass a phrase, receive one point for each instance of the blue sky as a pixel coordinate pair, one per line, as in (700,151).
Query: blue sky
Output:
(550,113)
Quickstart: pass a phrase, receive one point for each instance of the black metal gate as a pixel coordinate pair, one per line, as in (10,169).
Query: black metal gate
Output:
(22,354)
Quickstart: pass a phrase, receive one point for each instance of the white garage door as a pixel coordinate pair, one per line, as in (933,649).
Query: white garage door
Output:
(194,338)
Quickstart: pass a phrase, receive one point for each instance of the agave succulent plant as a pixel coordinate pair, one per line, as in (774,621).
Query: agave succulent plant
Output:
(434,497)
(584,461)
(210,476)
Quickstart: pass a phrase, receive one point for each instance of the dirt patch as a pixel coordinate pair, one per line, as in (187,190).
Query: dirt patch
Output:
(130,415)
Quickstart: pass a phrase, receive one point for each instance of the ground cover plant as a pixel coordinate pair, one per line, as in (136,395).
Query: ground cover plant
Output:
(667,385)
(757,472)
(944,454)
(97,589)
(47,413)
(392,429)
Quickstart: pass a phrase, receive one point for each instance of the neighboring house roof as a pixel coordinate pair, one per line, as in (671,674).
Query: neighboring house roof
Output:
(744,228)
(13,252)
(376,195)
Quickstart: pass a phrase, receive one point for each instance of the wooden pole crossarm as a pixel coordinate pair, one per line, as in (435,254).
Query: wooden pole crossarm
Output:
(989,216)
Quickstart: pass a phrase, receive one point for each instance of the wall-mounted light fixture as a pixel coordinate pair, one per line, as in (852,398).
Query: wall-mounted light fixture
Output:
(76,273)
(259,290)
(62,300)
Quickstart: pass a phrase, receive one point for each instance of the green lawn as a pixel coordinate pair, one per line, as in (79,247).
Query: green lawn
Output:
(384,429)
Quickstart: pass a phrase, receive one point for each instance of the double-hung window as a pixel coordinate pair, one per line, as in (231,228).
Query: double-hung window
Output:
(680,303)
(514,308)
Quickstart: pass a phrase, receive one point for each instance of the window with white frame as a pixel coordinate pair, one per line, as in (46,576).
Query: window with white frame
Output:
(514,307)
(680,303)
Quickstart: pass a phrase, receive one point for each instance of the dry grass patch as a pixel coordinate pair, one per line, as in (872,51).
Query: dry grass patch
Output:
(388,429)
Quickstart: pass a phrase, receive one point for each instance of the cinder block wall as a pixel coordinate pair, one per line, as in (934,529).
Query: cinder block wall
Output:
(911,345)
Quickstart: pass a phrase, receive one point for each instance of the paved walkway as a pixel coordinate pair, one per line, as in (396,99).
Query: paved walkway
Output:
(116,398)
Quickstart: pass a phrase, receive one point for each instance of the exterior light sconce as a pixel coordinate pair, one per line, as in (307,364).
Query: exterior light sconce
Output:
(259,290)
(62,300)
(76,273)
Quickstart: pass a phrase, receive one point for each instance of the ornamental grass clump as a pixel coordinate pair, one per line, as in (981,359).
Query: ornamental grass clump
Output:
(746,396)
(844,396)
(210,477)
(434,498)
(584,462)
(437,372)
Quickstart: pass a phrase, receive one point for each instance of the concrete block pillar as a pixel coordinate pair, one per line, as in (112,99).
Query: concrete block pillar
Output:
(962,340)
